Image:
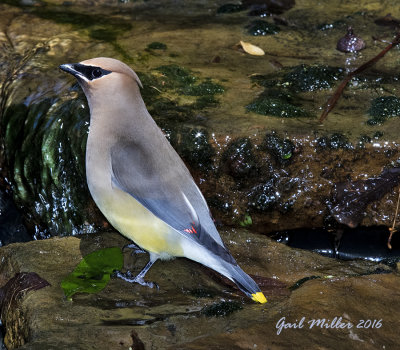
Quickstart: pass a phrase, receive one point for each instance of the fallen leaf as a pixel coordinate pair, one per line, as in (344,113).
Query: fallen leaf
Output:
(93,272)
(350,199)
(252,49)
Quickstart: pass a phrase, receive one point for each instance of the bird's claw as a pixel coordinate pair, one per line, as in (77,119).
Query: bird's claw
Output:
(135,249)
(137,279)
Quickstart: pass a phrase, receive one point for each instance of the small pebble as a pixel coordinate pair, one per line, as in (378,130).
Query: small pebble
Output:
(350,42)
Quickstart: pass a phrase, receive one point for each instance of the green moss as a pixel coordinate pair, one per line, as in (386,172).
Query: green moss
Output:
(261,28)
(195,148)
(264,197)
(164,87)
(311,78)
(177,77)
(281,149)
(205,101)
(276,107)
(202,293)
(383,108)
(222,309)
(239,158)
(156,45)
(205,88)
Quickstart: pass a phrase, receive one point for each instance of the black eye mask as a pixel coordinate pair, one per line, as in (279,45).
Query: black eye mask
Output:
(90,72)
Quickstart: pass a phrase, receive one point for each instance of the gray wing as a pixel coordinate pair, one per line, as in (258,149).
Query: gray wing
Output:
(167,190)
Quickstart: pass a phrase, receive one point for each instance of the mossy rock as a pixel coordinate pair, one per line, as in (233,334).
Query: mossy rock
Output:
(195,148)
(239,158)
(48,141)
(281,149)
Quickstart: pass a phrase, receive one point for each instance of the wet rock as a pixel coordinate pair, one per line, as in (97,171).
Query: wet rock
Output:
(196,149)
(12,228)
(264,197)
(335,141)
(333,25)
(239,158)
(388,21)
(350,42)
(281,149)
(47,170)
(115,317)
(230,8)
(351,198)
(263,8)
(262,28)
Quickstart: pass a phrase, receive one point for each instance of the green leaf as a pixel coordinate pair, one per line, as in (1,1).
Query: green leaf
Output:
(247,221)
(93,272)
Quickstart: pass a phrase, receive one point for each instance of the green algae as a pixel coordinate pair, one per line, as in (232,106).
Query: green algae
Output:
(195,148)
(174,94)
(156,45)
(281,95)
(383,108)
(276,107)
(312,77)
(239,158)
(281,149)
(222,309)
(205,88)
(176,77)
(202,293)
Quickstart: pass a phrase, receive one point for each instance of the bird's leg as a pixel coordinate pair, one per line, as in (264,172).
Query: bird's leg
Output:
(135,248)
(139,277)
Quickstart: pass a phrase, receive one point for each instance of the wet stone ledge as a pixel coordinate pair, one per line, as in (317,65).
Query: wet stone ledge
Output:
(194,308)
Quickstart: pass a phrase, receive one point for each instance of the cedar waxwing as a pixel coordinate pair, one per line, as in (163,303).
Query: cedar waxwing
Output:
(140,183)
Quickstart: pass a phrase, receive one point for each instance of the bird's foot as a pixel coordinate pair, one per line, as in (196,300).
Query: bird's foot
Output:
(135,249)
(127,276)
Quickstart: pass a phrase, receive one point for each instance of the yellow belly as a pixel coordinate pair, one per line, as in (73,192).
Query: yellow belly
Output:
(137,223)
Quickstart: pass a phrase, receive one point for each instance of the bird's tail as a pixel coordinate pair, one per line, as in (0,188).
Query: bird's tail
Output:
(245,283)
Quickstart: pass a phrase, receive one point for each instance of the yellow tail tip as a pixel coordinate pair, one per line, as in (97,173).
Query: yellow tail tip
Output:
(259,297)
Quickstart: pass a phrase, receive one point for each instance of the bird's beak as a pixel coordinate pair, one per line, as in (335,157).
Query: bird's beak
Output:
(69,68)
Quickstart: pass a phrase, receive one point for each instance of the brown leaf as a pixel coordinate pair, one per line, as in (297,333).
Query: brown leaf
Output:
(350,199)
(20,283)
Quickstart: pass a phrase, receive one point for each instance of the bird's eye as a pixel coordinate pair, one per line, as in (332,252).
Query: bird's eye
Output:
(96,73)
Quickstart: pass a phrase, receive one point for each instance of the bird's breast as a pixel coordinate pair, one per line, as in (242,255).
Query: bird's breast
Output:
(123,211)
